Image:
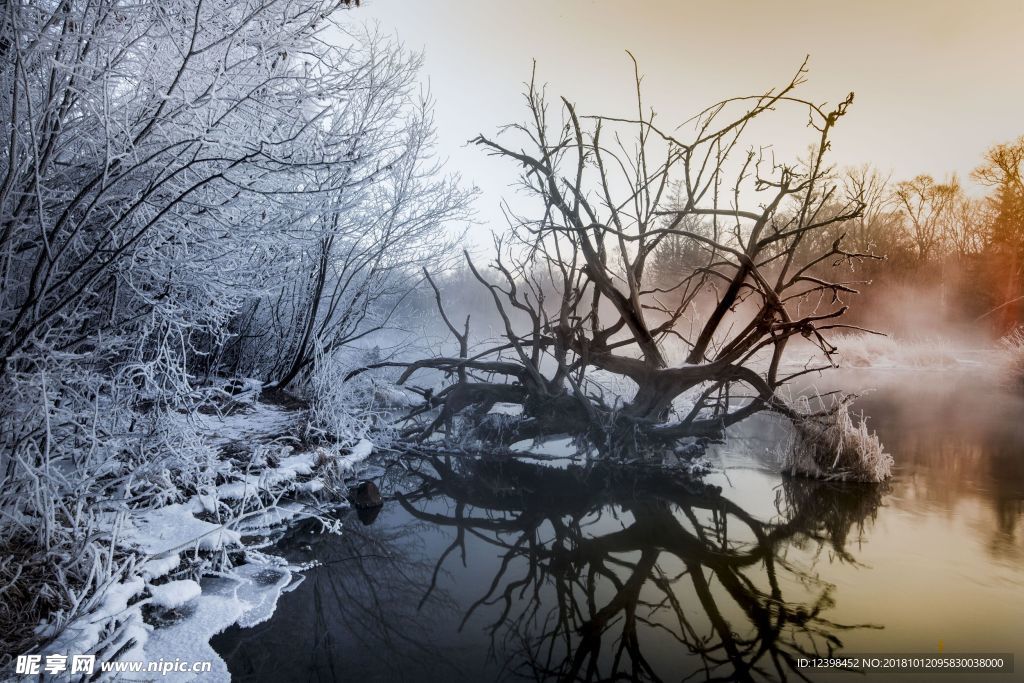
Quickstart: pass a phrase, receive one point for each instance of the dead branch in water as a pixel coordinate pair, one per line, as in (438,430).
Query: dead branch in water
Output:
(576,298)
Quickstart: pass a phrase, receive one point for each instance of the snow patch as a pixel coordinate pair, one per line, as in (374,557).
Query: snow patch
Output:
(361,451)
(512,409)
(84,634)
(174,593)
(561,446)
(174,528)
(247,596)
(301,464)
(217,608)
(269,519)
(249,487)
(311,486)
(160,566)
(250,425)
(261,587)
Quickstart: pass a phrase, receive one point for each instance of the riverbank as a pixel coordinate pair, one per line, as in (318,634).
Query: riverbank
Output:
(183,566)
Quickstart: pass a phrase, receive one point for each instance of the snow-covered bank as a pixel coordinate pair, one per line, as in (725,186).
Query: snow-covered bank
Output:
(192,566)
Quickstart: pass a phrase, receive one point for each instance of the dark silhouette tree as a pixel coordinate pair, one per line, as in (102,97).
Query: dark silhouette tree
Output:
(604,207)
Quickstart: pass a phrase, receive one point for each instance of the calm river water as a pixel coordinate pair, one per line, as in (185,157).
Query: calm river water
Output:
(497,571)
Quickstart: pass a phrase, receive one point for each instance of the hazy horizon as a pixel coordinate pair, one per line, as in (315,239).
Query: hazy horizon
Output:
(936,83)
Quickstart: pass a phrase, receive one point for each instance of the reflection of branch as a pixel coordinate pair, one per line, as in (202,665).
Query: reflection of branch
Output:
(374,595)
(547,524)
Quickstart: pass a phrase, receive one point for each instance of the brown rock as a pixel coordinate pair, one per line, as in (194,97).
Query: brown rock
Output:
(365,495)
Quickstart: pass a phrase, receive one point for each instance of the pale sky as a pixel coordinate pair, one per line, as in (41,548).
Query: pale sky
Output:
(936,83)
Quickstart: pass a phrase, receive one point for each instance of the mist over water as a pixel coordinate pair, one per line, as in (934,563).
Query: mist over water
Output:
(915,310)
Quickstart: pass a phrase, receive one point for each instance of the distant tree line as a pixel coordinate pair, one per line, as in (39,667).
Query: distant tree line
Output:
(932,233)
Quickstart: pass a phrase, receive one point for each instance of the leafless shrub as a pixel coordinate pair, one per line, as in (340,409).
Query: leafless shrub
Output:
(832,445)
(1013,348)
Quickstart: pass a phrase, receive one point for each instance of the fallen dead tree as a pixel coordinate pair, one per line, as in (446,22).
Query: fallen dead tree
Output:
(577,302)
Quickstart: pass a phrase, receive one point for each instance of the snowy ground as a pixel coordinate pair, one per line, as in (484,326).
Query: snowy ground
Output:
(199,565)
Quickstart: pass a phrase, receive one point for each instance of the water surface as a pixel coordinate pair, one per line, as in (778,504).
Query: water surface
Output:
(494,570)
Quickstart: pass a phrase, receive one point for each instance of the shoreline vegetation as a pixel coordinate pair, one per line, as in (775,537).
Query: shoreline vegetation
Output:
(262,477)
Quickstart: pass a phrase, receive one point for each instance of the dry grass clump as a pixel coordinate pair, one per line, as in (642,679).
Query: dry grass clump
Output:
(1013,346)
(52,584)
(29,592)
(873,350)
(832,446)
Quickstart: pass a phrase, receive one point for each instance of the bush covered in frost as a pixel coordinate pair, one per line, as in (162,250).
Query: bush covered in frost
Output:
(344,410)
(1013,348)
(832,445)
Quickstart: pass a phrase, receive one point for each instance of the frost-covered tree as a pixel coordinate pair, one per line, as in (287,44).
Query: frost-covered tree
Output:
(187,188)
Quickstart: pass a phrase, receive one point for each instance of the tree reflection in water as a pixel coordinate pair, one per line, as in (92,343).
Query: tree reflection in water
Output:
(599,564)
(617,572)
(354,611)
